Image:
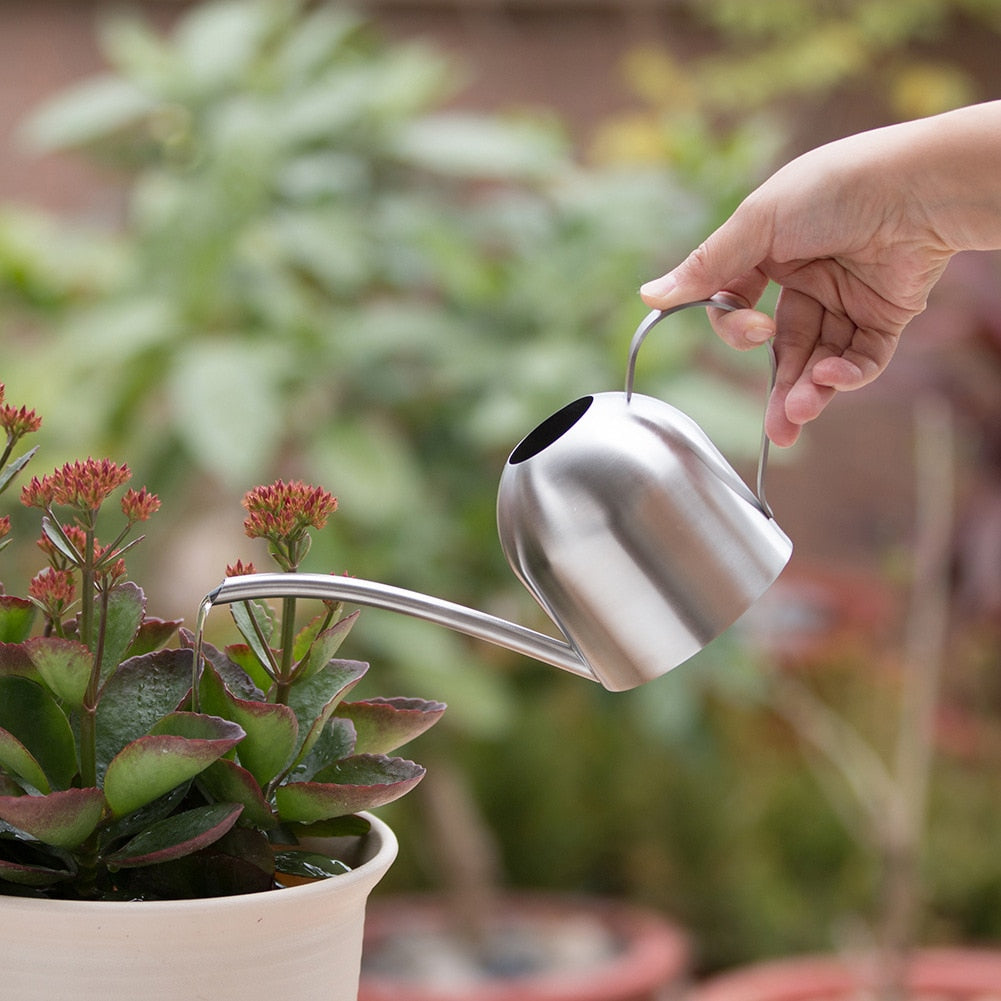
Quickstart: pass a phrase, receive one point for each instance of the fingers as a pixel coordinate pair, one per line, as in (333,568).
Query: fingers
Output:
(727,261)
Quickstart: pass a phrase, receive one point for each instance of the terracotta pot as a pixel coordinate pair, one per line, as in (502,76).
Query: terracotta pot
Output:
(596,950)
(934,975)
(298,944)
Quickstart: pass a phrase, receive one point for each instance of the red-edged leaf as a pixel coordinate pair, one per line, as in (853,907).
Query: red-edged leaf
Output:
(65,667)
(64,819)
(16,617)
(147,768)
(152,635)
(31,875)
(177,836)
(357,783)
(383,725)
(14,660)
(36,741)
(226,781)
(324,645)
(272,730)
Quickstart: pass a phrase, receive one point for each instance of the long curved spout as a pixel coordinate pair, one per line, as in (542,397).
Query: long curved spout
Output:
(469,621)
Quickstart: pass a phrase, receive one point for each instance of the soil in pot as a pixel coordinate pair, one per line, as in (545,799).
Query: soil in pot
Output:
(530,948)
(934,975)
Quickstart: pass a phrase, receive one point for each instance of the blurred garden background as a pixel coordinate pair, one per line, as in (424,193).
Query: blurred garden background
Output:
(371,245)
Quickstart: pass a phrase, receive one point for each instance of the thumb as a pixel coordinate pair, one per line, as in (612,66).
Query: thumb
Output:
(726,262)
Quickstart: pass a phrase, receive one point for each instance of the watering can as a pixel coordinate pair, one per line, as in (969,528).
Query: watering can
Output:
(626,524)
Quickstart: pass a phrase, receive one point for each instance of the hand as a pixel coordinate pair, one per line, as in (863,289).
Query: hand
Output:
(856,233)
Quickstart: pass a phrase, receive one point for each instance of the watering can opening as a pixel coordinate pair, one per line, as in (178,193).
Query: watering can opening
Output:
(550,430)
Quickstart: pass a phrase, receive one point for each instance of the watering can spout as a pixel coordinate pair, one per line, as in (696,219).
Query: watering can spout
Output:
(479,625)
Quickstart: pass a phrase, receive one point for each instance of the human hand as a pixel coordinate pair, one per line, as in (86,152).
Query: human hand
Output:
(856,233)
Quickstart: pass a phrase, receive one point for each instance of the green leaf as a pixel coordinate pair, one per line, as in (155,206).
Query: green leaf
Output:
(126,607)
(245,614)
(36,741)
(324,646)
(152,635)
(272,730)
(382,725)
(336,740)
(226,781)
(186,744)
(245,658)
(13,468)
(87,113)
(177,836)
(472,145)
(64,666)
(64,819)
(14,660)
(141,691)
(351,825)
(357,783)
(336,679)
(16,618)
(20,762)
(25,874)
(308,865)
(53,531)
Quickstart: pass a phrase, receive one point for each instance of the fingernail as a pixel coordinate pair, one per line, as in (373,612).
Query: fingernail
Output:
(659,287)
(758,334)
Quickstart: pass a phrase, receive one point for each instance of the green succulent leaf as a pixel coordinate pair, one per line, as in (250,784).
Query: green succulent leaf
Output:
(36,741)
(226,781)
(118,829)
(309,865)
(53,531)
(185,745)
(351,825)
(14,659)
(245,615)
(64,819)
(13,468)
(126,607)
(243,657)
(336,740)
(233,675)
(143,690)
(322,646)
(26,874)
(357,783)
(177,836)
(64,666)
(272,730)
(16,618)
(315,699)
(382,725)
(152,635)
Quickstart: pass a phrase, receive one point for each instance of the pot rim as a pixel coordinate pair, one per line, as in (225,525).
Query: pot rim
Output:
(379,849)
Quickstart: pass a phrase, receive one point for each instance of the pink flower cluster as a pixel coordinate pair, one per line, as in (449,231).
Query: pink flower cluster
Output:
(83,485)
(283,511)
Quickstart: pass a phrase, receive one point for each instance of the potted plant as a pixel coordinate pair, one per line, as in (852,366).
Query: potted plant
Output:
(155,805)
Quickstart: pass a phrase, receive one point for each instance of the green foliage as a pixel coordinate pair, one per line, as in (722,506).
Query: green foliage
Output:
(322,267)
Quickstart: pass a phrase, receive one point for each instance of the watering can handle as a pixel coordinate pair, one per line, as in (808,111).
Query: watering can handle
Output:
(650,321)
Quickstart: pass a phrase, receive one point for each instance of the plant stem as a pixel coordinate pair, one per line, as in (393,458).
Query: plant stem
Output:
(284,680)
(88,717)
(924,654)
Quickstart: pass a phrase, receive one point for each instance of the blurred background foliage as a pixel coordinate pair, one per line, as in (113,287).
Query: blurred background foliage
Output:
(320,268)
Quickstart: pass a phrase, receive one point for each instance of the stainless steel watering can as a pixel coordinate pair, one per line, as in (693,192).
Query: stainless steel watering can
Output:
(625,523)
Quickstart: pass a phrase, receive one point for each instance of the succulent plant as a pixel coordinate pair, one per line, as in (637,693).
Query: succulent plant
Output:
(130,769)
